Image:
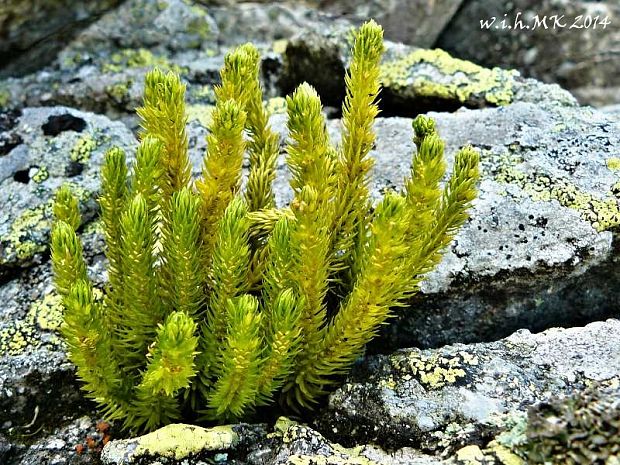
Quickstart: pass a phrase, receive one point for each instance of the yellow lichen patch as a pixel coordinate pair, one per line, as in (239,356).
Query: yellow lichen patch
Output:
(276,105)
(602,214)
(44,314)
(388,383)
(613,163)
(47,312)
(470,455)
(119,92)
(83,149)
(17,241)
(201,113)
(291,431)
(26,236)
(137,58)
(199,24)
(283,425)
(463,79)
(40,175)
(279,46)
(4,98)
(15,339)
(436,371)
(178,441)
(505,456)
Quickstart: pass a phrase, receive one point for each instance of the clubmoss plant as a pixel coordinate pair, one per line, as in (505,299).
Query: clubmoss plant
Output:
(218,302)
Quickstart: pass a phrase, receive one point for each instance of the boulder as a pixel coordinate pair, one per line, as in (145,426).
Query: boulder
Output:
(414,22)
(40,149)
(414,80)
(287,443)
(33,31)
(580,55)
(516,263)
(440,400)
(38,387)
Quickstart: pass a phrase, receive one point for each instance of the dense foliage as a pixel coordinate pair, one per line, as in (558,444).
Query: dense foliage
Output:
(216,300)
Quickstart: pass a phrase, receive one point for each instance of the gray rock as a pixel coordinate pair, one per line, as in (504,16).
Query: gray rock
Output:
(577,57)
(160,27)
(443,399)
(38,386)
(69,442)
(47,147)
(612,110)
(102,69)
(33,31)
(414,22)
(515,264)
(268,22)
(414,80)
(248,444)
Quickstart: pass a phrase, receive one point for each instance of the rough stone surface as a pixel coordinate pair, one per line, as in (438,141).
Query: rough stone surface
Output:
(271,21)
(581,428)
(44,148)
(161,27)
(582,59)
(539,251)
(288,443)
(444,399)
(37,383)
(415,22)
(515,264)
(414,80)
(32,31)
(74,440)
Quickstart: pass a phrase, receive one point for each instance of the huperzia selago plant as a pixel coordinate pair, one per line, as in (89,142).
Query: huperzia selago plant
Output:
(217,302)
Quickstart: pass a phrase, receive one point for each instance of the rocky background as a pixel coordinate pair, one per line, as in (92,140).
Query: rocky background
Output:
(511,352)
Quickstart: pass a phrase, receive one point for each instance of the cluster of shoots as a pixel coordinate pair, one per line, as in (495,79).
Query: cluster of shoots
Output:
(217,302)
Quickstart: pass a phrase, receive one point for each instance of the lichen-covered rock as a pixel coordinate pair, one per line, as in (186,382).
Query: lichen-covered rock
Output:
(444,399)
(414,80)
(43,148)
(288,443)
(568,48)
(103,68)
(159,26)
(38,387)
(515,264)
(189,444)
(581,429)
(32,31)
